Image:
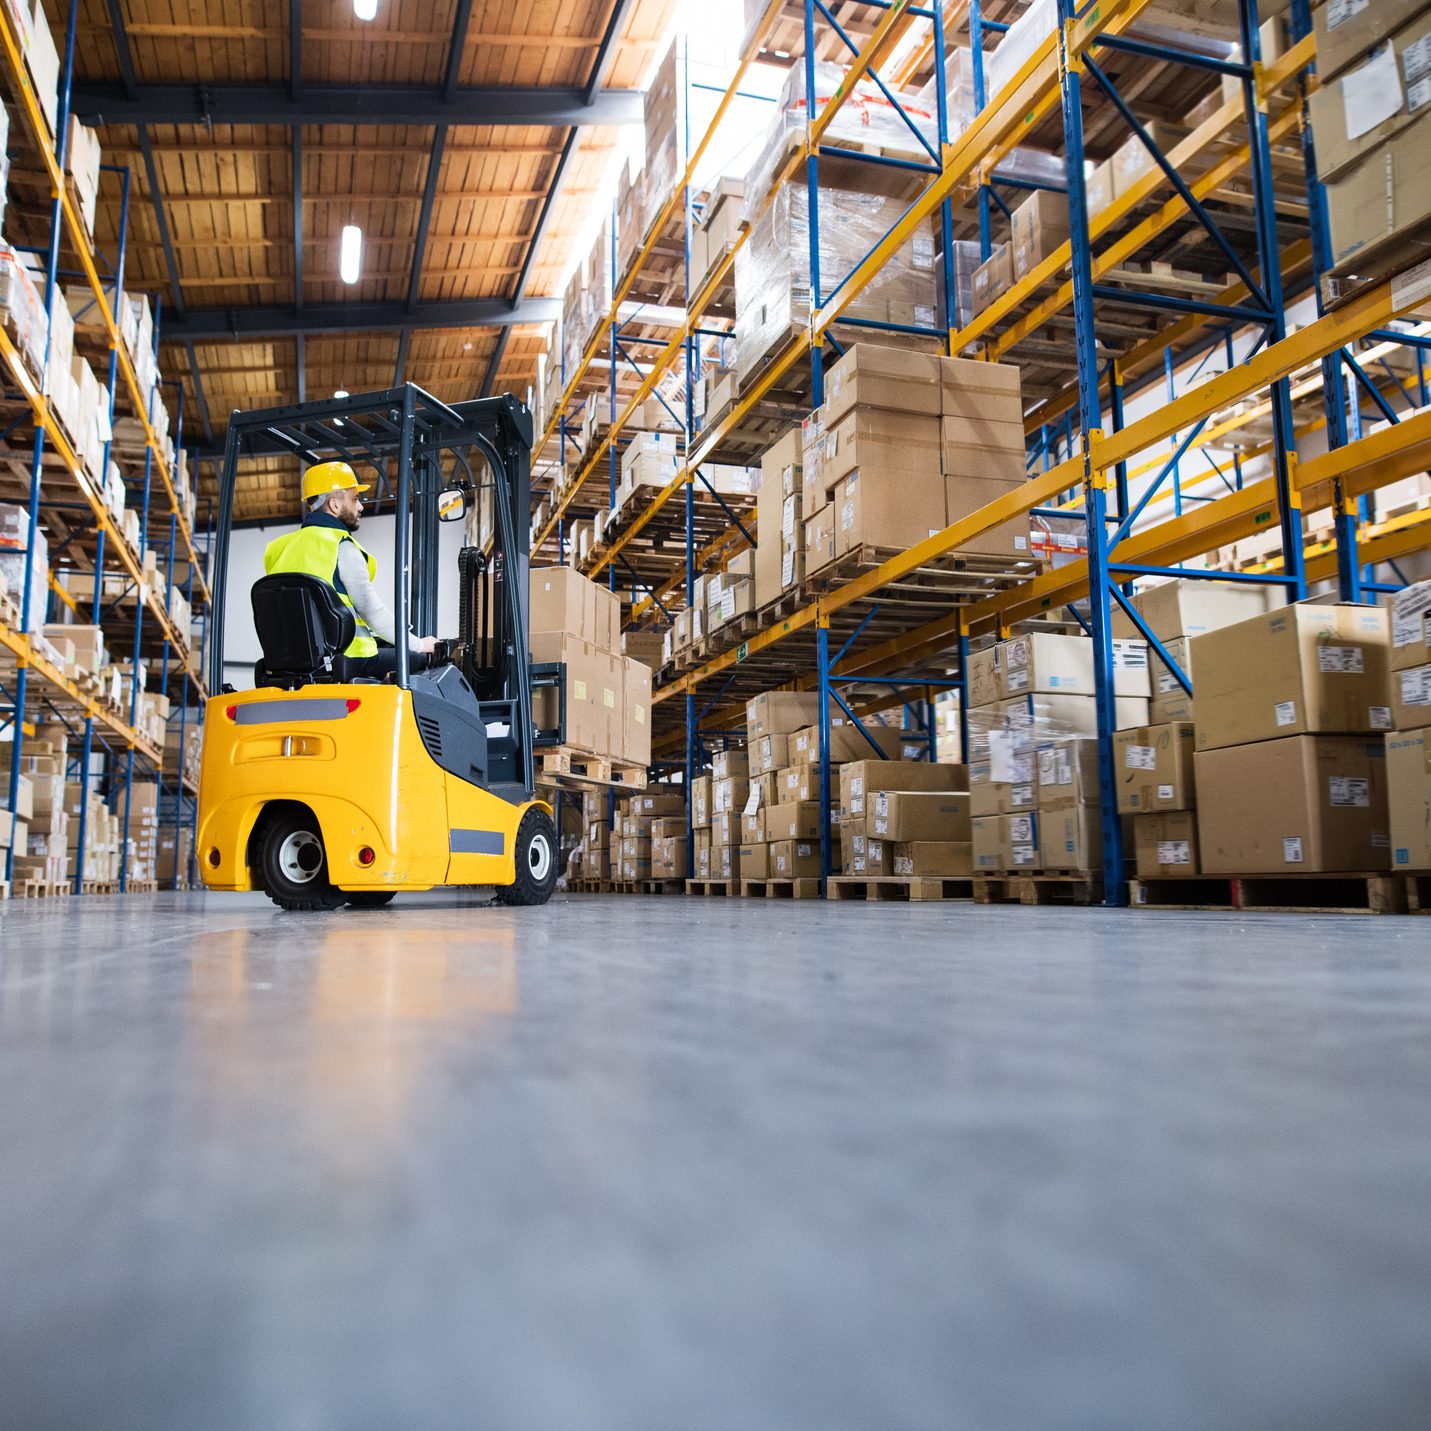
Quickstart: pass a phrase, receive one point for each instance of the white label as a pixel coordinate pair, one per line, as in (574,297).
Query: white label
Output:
(1047,764)
(904,865)
(1024,854)
(1371,94)
(1286,712)
(1416,64)
(881,824)
(1340,11)
(1165,792)
(1001,757)
(1142,757)
(924,252)
(1380,717)
(847,516)
(1130,655)
(752,801)
(1350,791)
(1174,852)
(1022,795)
(1418,92)
(1292,850)
(1340,660)
(1021,828)
(1380,840)
(1017,653)
(882,803)
(1018,679)
(1409,609)
(1412,286)
(1021,544)
(1415,686)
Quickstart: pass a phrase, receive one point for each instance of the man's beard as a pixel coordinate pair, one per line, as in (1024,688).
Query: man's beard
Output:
(350,520)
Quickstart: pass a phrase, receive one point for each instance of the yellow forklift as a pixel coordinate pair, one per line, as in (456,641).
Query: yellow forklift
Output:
(323,789)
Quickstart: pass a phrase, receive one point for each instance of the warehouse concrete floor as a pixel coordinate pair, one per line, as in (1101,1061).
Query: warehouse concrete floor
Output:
(682,1164)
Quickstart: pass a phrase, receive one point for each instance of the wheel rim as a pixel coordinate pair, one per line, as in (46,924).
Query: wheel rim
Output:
(300,857)
(539,858)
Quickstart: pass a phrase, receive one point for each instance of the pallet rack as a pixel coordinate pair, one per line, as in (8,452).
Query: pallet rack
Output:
(58,490)
(1081,447)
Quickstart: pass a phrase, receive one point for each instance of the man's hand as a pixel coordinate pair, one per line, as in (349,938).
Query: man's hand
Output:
(425,644)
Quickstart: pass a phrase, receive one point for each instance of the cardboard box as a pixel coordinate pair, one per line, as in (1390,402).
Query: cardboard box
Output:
(1408,782)
(870,856)
(1174,609)
(1170,700)
(861,780)
(993,278)
(729,794)
(795,859)
(987,844)
(727,763)
(1411,626)
(725,827)
(1304,803)
(1099,188)
(793,820)
(846,742)
(635,711)
(965,495)
(1049,663)
(1040,225)
(1411,698)
(819,539)
(884,508)
(769,752)
(1166,844)
(1030,720)
(1070,838)
(1154,768)
(869,376)
(752,827)
(941,816)
(769,503)
(565,602)
(1067,772)
(780,712)
(983,793)
(595,692)
(1345,32)
(986,675)
(1132,159)
(934,859)
(1301,670)
(1384,197)
(755,862)
(869,438)
(783,455)
(1373,101)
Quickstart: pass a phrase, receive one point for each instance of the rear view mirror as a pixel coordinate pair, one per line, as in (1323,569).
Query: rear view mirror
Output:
(451,504)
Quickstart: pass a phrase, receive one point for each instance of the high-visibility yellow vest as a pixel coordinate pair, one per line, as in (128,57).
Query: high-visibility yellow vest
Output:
(313,550)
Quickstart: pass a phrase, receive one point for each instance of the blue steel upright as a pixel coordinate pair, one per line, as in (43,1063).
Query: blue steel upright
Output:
(1115,890)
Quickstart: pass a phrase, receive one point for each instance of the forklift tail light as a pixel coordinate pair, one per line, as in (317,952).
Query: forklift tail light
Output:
(352,705)
(366,855)
(231,712)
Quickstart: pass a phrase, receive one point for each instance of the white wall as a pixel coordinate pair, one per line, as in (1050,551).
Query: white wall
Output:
(241,647)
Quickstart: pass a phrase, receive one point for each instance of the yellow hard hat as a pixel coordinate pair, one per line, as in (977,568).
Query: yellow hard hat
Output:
(330,477)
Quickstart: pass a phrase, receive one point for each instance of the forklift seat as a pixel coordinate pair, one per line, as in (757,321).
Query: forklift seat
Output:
(303,629)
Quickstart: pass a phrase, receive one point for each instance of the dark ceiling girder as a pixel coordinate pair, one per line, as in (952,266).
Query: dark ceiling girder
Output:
(295,48)
(248,104)
(217,325)
(498,353)
(199,393)
(606,52)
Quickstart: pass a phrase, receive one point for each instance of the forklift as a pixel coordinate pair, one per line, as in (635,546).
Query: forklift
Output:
(323,789)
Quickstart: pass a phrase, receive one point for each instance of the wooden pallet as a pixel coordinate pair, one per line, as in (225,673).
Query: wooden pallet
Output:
(912,888)
(648,886)
(1399,256)
(99,886)
(1354,893)
(1039,887)
(589,886)
(141,886)
(780,888)
(727,887)
(1418,893)
(566,765)
(41,889)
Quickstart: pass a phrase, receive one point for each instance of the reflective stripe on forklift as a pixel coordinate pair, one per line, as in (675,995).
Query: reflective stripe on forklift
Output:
(273,712)
(476,842)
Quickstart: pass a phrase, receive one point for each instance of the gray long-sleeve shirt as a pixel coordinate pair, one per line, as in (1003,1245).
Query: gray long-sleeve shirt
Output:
(375,612)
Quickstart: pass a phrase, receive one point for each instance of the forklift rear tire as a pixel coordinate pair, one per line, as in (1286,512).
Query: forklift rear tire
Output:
(536,857)
(293,865)
(370,898)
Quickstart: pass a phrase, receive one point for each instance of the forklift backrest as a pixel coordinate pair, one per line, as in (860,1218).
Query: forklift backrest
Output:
(303,628)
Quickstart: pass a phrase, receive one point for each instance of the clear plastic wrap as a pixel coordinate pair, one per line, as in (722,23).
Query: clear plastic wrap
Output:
(1020,40)
(866,120)
(14,533)
(958,91)
(661,116)
(772,268)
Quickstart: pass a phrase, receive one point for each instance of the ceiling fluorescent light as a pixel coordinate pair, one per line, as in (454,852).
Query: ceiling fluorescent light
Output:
(365,9)
(350,253)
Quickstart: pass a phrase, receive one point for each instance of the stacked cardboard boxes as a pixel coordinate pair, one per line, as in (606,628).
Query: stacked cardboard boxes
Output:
(101,834)
(648,836)
(608,695)
(40,827)
(1369,119)
(1292,710)
(1408,748)
(875,830)
(1031,697)
(1156,783)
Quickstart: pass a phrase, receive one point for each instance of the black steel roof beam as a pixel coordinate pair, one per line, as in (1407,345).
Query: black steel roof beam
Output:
(606,52)
(498,353)
(210,325)
(456,50)
(424,215)
(199,393)
(298,218)
(104,103)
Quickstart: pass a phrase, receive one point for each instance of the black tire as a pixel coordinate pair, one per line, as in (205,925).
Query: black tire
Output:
(536,858)
(293,865)
(370,898)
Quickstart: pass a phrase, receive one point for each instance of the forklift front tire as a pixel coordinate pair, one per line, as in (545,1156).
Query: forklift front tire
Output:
(536,859)
(370,898)
(292,863)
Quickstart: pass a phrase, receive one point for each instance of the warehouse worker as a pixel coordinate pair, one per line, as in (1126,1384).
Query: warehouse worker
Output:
(324,546)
